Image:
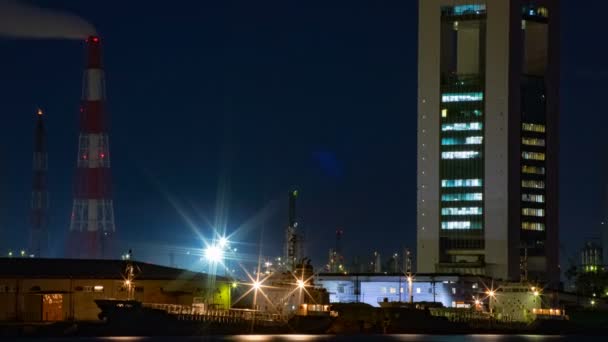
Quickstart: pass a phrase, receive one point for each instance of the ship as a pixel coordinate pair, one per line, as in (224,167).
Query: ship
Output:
(297,307)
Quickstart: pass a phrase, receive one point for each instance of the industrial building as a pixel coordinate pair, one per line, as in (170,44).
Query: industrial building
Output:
(488,112)
(451,290)
(34,289)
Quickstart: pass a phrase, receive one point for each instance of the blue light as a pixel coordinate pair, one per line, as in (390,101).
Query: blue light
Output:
(460,155)
(462,141)
(462,97)
(469,9)
(452,225)
(457,183)
(477,196)
(459,126)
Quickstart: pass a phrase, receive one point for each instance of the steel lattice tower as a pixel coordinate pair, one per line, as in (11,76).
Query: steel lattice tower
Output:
(38,243)
(92,220)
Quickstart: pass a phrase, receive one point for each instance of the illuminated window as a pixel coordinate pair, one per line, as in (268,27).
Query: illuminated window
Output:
(533,141)
(462,97)
(533,212)
(461,211)
(417,290)
(460,155)
(458,183)
(532,184)
(452,225)
(392,290)
(462,141)
(464,10)
(537,226)
(533,198)
(530,127)
(98,288)
(444,113)
(533,155)
(478,196)
(469,126)
(537,170)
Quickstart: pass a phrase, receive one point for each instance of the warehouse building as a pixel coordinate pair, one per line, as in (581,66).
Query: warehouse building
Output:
(374,288)
(35,289)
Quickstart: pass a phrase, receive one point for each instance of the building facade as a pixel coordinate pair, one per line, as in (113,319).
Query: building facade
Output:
(33,289)
(488,109)
(451,290)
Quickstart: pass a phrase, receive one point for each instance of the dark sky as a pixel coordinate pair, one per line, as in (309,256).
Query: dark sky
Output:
(236,102)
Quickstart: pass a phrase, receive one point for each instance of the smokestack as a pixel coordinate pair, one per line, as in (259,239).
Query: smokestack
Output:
(38,243)
(292,208)
(92,219)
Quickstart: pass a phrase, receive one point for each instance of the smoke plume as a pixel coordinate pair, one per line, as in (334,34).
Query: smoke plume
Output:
(19,19)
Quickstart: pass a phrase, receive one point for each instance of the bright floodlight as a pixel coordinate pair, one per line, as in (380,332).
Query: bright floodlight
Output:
(256,285)
(214,254)
(536,293)
(301,284)
(491,293)
(223,242)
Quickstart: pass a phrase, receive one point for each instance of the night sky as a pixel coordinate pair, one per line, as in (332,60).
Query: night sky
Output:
(218,108)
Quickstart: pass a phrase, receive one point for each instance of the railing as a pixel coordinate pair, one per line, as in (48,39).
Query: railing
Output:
(193,313)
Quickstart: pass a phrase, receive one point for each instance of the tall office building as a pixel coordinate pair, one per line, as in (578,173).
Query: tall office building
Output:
(488,114)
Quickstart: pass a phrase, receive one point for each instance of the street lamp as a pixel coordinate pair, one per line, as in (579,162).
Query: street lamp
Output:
(301,284)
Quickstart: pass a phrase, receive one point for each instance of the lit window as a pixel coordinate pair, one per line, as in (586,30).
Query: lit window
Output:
(392,290)
(469,126)
(462,97)
(461,211)
(462,141)
(532,184)
(464,10)
(533,212)
(533,198)
(453,225)
(533,169)
(444,113)
(530,127)
(533,155)
(418,290)
(457,183)
(98,288)
(460,155)
(533,141)
(478,196)
(537,226)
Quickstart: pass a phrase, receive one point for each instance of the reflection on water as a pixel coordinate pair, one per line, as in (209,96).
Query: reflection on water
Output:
(345,338)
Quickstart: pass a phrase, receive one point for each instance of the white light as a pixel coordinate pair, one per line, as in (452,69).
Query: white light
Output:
(214,254)
(256,285)
(223,242)
(301,284)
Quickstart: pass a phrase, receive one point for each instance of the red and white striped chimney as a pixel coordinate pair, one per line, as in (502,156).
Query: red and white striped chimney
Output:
(92,221)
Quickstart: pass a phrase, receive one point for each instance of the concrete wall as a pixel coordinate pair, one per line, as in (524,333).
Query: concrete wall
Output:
(20,299)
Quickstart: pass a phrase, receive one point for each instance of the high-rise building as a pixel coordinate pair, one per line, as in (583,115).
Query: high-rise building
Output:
(488,110)
(92,221)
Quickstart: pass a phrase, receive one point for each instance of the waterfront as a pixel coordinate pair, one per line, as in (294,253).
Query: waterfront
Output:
(396,338)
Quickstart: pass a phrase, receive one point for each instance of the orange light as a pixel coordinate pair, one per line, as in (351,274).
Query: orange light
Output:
(40,112)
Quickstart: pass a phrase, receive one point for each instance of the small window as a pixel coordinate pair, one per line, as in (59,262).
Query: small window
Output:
(139,289)
(418,290)
(98,288)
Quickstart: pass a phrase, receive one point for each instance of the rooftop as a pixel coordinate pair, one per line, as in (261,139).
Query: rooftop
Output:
(87,268)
